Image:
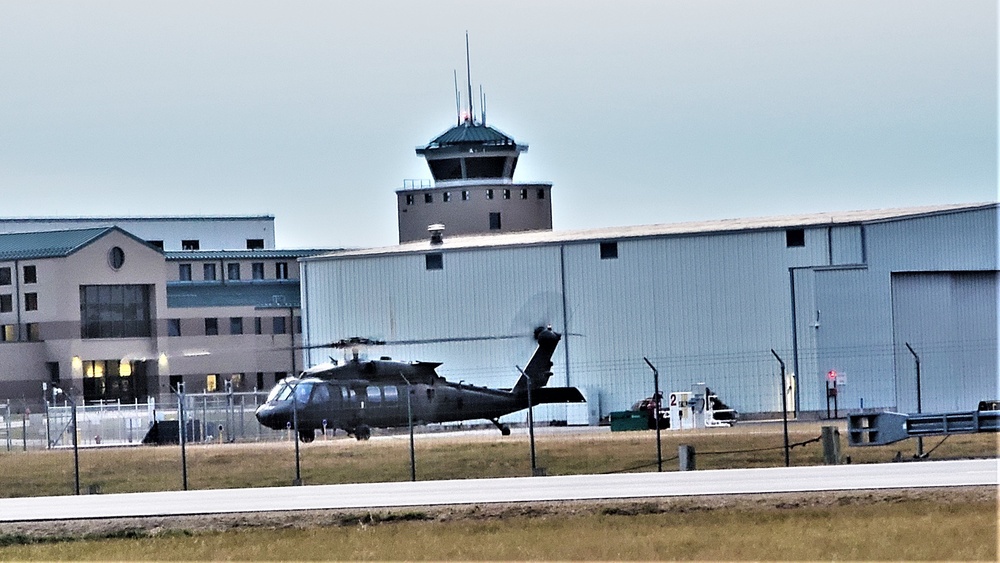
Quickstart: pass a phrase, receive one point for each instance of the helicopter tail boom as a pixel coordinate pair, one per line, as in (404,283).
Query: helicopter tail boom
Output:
(545,395)
(539,368)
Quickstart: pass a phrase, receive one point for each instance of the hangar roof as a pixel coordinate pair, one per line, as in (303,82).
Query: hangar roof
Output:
(173,255)
(530,238)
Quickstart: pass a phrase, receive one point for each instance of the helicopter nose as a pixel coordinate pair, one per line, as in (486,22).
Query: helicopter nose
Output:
(267,416)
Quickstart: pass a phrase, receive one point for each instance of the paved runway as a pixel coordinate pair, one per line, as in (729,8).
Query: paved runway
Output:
(521,489)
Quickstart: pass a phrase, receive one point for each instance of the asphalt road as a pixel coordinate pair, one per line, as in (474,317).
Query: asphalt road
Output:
(522,489)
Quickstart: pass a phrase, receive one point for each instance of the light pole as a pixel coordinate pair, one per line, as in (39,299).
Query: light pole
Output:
(656,413)
(531,423)
(76,446)
(182,432)
(295,431)
(409,417)
(784,403)
(916,358)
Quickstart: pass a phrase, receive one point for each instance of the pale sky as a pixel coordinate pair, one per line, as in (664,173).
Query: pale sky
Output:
(638,112)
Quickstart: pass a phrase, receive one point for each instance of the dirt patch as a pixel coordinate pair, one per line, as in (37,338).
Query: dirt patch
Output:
(154,526)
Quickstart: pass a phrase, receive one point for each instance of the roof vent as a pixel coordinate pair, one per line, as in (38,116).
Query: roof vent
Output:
(436,230)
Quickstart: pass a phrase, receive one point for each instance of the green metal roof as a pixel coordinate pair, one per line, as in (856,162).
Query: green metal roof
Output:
(48,244)
(270,294)
(470,133)
(175,255)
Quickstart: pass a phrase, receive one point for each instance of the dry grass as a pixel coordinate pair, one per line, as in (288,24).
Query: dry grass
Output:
(961,525)
(457,456)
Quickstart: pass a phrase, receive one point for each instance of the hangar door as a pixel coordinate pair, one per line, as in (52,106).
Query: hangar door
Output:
(950,320)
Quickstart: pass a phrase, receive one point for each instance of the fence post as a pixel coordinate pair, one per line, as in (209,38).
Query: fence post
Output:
(831,445)
(685,454)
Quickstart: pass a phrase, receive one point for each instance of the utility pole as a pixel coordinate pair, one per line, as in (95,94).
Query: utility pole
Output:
(784,403)
(656,413)
(916,359)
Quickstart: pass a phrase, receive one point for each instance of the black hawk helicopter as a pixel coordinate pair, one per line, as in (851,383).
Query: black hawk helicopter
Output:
(361,394)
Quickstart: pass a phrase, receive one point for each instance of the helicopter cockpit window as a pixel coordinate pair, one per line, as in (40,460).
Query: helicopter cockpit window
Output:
(374,394)
(321,394)
(391,394)
(281,392)
(302,391)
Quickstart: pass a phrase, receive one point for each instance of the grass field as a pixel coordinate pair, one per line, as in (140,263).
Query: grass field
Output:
(455,456)
(956,525)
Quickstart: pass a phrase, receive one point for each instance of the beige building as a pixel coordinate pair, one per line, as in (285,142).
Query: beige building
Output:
(116,318)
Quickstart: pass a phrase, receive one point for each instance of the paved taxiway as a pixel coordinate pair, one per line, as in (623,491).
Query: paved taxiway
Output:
(522,489)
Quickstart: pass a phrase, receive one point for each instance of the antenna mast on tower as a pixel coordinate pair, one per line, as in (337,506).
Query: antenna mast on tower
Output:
(468,76)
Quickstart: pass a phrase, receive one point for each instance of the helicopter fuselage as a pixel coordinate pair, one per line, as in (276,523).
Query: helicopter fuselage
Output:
(360,395)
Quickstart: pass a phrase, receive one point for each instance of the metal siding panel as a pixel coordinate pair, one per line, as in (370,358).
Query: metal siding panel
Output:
(950,242)
(703,309)
(846,245)
(855,335)
(950,319)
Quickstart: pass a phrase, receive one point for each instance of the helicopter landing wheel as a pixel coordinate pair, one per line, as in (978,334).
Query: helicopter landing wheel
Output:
(504,429)
(307,436)
(363,433)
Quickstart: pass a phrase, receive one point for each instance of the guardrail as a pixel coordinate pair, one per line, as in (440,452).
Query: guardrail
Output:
(879,429)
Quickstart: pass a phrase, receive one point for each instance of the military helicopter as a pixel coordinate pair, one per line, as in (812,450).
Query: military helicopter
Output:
(361,394)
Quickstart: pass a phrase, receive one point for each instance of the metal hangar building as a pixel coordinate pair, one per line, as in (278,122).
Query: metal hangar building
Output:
(835,295)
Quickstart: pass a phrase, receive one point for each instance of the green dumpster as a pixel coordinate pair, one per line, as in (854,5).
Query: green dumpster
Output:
(629,420)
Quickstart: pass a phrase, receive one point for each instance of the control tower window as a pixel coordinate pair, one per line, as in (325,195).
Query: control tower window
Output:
(487,167)
(489,194)
(446,197)
(541,193)
(409,199)
(428,198)
(446,169)
(465,195)
(524,193)
(506,194)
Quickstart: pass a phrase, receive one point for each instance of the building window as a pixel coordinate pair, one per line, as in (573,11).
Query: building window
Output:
(495,221)
(297,327)
(5,275)
(609,250)
(506,193)
(6,303)
(257,326)
(211,326)
(255,244)
(209,270)
(233,270)
(184,272)
(235,325)
(428,198)
(30,274)
(30,301)
(524,193)
(8,334)
(279,375)
(173,327)
(260,380)
(211,383)
(278,324)
(115,311)
(489,194)
(446,197)
(541,193)
(281,270)
(465,195)
(155,244)
(257,270)
(795,237)
(34,332)
(116,257)
(409,199)
(190,245)
(434,261)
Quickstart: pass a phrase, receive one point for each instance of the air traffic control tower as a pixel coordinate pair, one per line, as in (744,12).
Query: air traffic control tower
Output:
(473,190)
